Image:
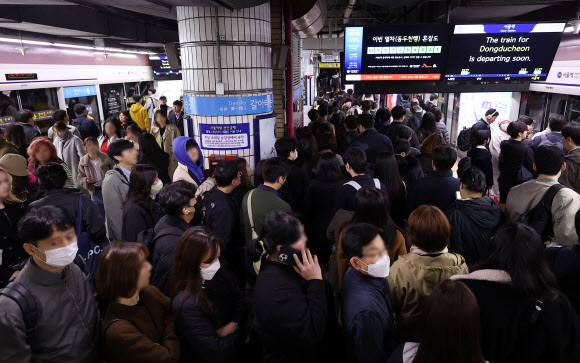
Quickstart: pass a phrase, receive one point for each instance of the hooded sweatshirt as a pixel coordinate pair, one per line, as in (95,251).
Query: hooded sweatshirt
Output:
(140,116)
(473,222)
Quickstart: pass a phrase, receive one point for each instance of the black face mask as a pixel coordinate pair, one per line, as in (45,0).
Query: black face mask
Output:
(286,255)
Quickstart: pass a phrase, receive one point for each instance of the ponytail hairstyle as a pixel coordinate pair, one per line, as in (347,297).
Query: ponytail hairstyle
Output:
(280,228)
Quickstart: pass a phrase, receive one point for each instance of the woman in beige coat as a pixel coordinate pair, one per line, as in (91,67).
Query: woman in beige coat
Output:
(165,133)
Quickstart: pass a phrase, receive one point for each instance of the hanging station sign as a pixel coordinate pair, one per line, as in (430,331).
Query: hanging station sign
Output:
(228,105)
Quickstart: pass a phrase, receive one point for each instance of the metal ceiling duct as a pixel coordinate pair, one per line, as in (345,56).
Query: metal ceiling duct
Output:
(308,17)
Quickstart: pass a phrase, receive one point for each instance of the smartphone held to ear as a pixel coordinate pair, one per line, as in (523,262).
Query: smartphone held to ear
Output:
(286,255)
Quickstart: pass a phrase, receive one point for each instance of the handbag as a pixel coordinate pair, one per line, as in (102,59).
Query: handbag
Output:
(89,249)
(258,263)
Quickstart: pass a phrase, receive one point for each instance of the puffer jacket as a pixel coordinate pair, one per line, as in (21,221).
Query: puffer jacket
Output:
(443,129)
(140,116)
(411,279)
(571,176)
(473,222)
(168,231)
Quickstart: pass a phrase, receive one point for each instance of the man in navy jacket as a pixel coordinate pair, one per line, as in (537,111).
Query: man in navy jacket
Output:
(439,189)
(370,140)
(367,318)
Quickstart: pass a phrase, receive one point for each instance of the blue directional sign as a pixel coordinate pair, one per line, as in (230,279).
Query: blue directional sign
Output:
(228,105)
(81,91)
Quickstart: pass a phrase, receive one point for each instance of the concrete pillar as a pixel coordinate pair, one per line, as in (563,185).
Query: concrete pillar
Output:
(246,71)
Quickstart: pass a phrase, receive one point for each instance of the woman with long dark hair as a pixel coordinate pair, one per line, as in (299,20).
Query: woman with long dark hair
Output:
(387,171)
(294,328)
(210,311)
(370,206)
(14,133)
(319,206)
(140,211)
(138,326)
(150,153)
(452,329)
(525,318)
(428,126)
(165,133)
(112,130)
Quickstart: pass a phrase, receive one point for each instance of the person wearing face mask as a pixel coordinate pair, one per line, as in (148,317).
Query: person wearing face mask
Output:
(140,211)
(294,189)
(137,326)
(210,311)
(413,276)
(67,328)
(367,319)
(293,306)
(180,203)
(495,148)
(190,166)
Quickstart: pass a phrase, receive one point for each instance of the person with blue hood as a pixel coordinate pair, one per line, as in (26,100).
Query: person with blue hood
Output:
(190,164)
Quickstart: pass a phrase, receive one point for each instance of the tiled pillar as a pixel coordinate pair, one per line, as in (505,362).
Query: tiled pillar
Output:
(246,70)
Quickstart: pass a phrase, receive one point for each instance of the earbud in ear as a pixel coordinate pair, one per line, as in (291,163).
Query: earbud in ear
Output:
(187,211)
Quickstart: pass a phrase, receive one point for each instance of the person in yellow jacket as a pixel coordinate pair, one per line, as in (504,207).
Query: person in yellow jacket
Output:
(139,114)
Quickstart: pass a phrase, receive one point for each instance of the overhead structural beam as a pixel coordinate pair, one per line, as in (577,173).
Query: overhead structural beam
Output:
(89,20)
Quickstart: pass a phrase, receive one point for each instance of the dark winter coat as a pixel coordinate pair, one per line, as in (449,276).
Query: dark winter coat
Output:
(345,138)
(373,144)
(93,220)
(480,125)
(87,127)
(178,121)
(481,159)
(513,155)
(426,162)
(160,160)
(137,219)
(318,214)
(222,216)
(392,131)
(473,222)
(294,189)
(196,328)
(293,316)
(367,318)
(508,331)
(439,190)
(565,263)
(168,231)
(346,193)
(10,243)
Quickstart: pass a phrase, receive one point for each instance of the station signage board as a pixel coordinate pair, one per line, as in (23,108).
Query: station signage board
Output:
(228,105)
(225,136)
(20,76)
(81,91)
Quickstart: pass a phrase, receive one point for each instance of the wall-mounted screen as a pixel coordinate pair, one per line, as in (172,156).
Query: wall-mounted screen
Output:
(396,52)
(502,52)
(162,70)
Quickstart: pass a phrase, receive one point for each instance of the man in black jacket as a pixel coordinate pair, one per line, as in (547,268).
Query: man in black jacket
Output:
(178,201)
(392,130)
(347,133)
(484,123)
(367,316)
(370,140)
(222,211)
(438,189)
(294,189)
(473,218)
(86,126)
(480,156)
(176,117)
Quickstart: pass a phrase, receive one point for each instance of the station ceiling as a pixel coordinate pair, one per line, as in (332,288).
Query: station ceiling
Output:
(148,24)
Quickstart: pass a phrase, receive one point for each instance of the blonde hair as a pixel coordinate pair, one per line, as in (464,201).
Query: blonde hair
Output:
(11,198)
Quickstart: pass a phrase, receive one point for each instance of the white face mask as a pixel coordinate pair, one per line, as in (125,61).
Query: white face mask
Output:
(156,188)
(209,272)
(379,269)
(503,127)
(60,257)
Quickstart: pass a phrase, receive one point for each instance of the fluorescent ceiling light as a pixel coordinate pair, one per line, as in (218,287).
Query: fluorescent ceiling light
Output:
(62,45)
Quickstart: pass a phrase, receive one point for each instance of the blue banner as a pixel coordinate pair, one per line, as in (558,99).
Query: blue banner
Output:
(82,91)
(225,136)
(353,44)
(229,105)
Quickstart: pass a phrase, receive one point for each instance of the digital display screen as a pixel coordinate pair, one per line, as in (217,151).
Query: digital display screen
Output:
(162,69)
(502,52)
(396,53)
(20,76)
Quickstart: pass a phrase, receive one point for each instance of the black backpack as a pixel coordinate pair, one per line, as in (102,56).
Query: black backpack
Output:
(21,296)
(464,139)
(540,217)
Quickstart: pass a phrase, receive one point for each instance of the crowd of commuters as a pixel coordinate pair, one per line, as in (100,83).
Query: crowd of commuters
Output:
(365,239)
